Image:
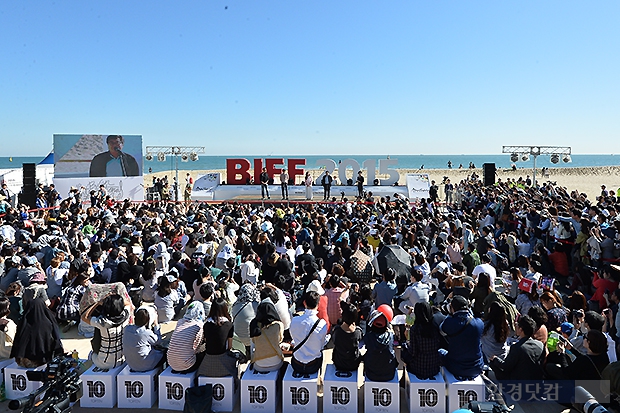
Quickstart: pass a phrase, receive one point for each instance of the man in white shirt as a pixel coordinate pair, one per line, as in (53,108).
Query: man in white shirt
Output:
(309,334)
(485,266)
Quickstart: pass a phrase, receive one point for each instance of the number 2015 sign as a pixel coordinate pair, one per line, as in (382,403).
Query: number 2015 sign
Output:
(238,169)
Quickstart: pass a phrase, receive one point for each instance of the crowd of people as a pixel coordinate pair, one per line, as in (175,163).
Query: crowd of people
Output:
(508,281)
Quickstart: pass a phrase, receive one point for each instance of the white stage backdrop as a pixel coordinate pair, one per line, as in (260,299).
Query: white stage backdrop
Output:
(418,186)
(131,187)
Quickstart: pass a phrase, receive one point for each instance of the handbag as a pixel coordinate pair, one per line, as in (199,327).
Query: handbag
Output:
(198,399)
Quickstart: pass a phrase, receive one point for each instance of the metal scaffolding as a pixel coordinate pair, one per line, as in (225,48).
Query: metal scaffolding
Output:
(186,153)
(523,153)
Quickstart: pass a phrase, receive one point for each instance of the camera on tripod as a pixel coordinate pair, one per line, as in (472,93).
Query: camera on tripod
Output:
(61,387)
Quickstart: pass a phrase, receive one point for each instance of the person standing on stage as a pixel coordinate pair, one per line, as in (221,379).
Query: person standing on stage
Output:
(326,181)
(360,184)
(264,181)
(284,183)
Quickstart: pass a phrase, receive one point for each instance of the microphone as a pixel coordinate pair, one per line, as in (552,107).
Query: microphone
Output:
(118,149)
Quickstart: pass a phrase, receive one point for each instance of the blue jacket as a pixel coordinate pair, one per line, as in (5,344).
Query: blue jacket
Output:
(464,356)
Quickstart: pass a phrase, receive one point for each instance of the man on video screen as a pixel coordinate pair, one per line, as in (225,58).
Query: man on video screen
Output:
(114,162)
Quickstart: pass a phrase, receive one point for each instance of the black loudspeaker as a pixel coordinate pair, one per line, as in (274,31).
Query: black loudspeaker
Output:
(29,174)
(28,198)
(489,174)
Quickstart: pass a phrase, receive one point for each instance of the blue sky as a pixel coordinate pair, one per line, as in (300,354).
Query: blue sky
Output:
(313,77)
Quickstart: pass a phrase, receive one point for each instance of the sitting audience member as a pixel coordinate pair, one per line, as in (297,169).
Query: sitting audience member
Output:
(139,341)
(586,366)
(495,333)
(37,338)
(463,333)
(421,356)
(416,292)
(347,336)
(525,358)
(219,329)
(166,299)
(309,334)
(594,321)
(206,293)
(528,296)
(336,293)
(539,315)
(113,319)
(315,285)
(244,310)
(556,313)
(7,329)
(148,279)
(14,293)
(266,334)
(69,307)
(186,348)
(384,292)
(380,361)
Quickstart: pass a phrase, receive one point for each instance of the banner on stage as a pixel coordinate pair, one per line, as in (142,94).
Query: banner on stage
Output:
(418,186)
(118,188)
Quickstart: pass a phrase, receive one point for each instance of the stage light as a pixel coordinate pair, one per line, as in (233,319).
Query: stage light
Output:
(184,157)
(514,157)
(149,156)
(193,156)
(555,158)
(525,157)
(161,157)
(567,159)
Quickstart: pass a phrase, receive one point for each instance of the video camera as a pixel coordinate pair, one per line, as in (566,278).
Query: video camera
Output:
(61,387)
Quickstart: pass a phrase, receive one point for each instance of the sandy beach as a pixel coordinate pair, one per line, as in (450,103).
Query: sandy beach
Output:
(586,180)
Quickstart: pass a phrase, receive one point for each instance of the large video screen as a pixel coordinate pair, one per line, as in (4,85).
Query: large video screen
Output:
(97,156)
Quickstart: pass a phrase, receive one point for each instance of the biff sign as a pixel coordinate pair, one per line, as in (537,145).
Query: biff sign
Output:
(238,169)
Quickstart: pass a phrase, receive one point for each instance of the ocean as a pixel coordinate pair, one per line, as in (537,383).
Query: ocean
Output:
(404,161)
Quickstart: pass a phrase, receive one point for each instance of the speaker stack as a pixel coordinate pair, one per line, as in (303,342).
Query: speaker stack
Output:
(489,174)
(28,195)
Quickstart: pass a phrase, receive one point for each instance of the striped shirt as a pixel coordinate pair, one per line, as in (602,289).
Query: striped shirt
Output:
(184,343)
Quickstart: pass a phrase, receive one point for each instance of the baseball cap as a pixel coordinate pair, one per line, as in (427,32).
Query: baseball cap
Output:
(567,328)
